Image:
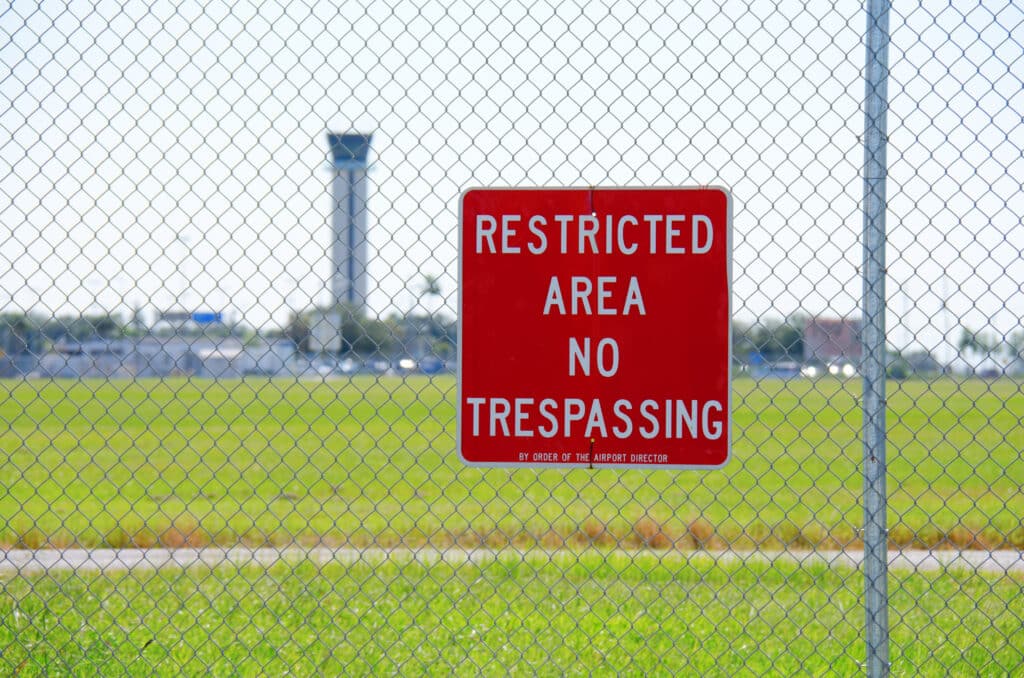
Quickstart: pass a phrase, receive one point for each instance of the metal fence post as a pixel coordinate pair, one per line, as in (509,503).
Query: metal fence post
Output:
(875,533)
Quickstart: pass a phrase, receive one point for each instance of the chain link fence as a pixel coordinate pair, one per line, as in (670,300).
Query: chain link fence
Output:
(228,266)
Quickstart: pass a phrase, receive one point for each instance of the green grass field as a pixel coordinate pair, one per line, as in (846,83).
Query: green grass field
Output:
(372,461)
(364,461)
(572,614)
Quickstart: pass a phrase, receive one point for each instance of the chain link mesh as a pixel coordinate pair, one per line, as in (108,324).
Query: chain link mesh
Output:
(228,260)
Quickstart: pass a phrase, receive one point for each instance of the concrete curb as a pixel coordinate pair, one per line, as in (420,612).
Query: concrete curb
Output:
(25,562)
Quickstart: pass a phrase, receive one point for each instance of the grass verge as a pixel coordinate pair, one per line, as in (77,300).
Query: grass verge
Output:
(575,612)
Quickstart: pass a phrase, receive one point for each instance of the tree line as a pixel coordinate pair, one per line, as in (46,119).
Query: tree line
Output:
(773,339)
(35,333)
(364,334)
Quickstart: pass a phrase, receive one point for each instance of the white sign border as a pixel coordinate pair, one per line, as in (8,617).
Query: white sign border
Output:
(581,465)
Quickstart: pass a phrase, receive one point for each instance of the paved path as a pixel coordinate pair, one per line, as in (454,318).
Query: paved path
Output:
(92,560)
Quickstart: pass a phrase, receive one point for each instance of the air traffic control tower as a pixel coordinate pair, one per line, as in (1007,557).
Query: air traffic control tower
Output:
(349,278)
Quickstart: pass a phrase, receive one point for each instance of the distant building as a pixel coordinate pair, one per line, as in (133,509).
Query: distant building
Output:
(90,358)
(349,277)
(832,340)
(224,360)
(325,331)
(272,358)
(158,357)
(187,322)
(21,344)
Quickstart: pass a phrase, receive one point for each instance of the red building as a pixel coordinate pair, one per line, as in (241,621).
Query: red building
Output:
(832,340)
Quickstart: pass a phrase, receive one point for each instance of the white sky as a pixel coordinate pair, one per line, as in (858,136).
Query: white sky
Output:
(154,153)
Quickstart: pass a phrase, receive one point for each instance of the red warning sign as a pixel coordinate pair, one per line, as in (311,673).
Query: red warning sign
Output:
(594,327)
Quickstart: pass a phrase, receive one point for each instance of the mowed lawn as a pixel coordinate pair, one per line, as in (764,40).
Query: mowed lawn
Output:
(371,460)
(567,614)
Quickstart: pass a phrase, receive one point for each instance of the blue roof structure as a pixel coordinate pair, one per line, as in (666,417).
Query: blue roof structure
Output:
(349,149)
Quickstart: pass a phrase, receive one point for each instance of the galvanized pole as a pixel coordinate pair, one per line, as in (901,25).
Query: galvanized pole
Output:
(873,337)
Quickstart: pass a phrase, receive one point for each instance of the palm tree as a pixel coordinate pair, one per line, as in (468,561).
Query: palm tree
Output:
(976,342)
(431,285)
(979,343)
